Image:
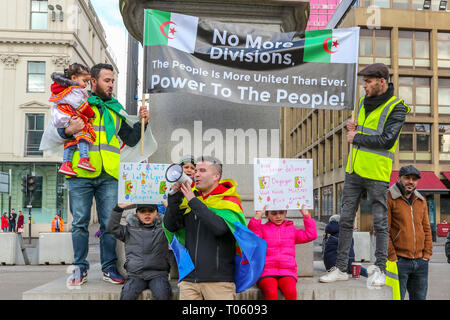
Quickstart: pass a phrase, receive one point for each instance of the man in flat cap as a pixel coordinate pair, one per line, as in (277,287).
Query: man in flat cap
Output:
(374,137)
(410,242)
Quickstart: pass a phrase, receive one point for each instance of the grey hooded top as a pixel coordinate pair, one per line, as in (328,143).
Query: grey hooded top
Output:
(146,246)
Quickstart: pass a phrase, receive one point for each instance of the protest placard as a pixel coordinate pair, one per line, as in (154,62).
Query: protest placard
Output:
(283,184)
(142,182)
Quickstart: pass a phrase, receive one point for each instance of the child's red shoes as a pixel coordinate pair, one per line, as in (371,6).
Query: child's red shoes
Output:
(85,164)
(66,168)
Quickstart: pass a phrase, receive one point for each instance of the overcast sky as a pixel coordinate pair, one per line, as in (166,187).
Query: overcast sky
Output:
(116,37)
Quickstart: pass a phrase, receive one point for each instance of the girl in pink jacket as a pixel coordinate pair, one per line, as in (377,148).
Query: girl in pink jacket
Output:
(280,270)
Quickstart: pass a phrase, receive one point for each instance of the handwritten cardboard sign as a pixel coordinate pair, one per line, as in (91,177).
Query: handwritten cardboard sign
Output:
(142,182)
(283,184)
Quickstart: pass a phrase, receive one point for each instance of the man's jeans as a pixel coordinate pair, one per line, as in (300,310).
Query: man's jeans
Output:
(81,193)
(354,186)
(413,276)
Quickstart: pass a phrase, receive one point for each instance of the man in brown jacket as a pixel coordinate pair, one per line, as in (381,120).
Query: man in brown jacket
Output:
(410,243)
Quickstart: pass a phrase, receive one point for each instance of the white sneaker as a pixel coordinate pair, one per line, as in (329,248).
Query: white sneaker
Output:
(334,274)
(378,278)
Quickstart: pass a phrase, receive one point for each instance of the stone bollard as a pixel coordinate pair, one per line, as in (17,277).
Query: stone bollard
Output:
(10,249)
(55,248)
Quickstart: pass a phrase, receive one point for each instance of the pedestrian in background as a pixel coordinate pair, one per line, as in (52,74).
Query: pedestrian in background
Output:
(20,222)
(5,222)
(410,242)
(12,221)
(58,223)
(331,245)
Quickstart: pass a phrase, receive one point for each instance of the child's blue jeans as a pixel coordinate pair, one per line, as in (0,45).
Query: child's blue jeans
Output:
(83,146)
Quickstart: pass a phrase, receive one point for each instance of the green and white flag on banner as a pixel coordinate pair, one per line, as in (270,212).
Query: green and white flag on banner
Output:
(244,65)
(331,46)
(178,31)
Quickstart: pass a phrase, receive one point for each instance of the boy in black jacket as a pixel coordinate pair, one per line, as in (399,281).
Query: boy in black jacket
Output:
(146,251)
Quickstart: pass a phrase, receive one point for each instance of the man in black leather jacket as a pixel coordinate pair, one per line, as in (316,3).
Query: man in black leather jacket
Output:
(367,176)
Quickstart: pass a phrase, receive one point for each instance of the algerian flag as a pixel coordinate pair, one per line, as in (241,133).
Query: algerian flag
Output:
(178,31)
(331,45)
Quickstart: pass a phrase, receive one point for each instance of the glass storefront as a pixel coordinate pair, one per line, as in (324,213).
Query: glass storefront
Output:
(50,196)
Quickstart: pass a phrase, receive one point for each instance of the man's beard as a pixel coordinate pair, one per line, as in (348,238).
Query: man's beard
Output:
(403,189)
(102,94)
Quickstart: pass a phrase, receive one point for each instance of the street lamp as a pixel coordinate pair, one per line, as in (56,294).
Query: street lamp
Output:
(61,13)
(52,8)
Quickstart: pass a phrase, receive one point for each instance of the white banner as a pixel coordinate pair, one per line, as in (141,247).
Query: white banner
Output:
(142,182)
(283,184)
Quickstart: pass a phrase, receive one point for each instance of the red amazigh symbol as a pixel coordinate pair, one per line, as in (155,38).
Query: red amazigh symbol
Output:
(172,30)
(325,45)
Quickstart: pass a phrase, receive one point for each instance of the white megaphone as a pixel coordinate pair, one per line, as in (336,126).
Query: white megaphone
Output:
(175,174)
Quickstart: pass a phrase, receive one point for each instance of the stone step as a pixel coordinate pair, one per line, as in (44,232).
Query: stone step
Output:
(308,288)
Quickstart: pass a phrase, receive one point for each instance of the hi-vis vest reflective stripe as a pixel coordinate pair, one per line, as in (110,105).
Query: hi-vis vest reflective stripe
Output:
(392,279)
(375,164)
(101,153)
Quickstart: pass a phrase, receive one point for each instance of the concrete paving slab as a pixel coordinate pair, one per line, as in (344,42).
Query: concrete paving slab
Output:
(308,288)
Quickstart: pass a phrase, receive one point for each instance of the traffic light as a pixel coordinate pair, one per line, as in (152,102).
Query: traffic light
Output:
(24,185)
(31,184)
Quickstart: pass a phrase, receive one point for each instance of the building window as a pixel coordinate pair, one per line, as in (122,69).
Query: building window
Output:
(316,202)
(400,4)
(330,154)
(34,128)
(415,143)
(327,202)
(444,96)
(444,142)
(339,193)
(416,93)
(413,49)
(375,46)
(381,3)
(340,151)
(39,14)
(443,49)
(445,207)
(36,77)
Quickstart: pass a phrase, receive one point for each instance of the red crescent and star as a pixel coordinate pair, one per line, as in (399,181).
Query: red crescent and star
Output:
(171,29)
(334,44)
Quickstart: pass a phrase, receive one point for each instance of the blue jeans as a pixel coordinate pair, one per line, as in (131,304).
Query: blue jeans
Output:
(159,286)
(83,146)
(354,185)
(413,277)
(81,193)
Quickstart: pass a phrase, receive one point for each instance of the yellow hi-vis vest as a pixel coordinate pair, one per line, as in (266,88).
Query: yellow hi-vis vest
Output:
(392,279)
(101,153)
(375,164)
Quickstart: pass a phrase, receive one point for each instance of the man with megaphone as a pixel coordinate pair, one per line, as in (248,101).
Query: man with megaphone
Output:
(202,227)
